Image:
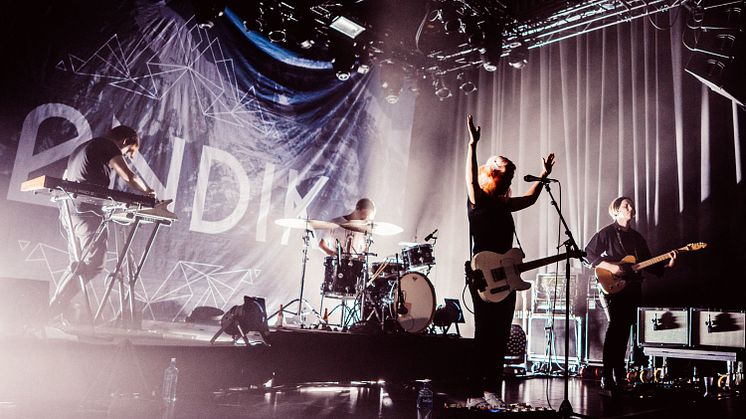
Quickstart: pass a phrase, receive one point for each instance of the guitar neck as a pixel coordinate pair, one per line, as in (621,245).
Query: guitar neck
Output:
(538,263)
(644,264)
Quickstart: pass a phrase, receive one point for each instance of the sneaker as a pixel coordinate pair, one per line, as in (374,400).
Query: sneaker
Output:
(494,400)
(477,403)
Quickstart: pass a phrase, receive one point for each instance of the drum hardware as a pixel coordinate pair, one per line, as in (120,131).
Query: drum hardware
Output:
(307,225)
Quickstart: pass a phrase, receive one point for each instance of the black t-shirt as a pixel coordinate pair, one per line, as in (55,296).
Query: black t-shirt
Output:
(89,162)
(491,225)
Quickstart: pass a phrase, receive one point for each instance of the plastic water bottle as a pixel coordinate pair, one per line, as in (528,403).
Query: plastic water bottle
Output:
(169,382)
(425,401)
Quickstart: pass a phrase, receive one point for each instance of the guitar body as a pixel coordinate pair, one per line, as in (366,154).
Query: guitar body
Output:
(501,274)
(610,283)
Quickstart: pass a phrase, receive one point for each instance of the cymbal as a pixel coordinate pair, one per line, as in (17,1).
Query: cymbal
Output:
(302,223)
(372,227)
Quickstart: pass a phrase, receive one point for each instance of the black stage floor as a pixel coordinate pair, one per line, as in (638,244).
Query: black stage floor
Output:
(77,373)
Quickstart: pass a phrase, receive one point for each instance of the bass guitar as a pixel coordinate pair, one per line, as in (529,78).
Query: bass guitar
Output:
(497,275)
(612,284)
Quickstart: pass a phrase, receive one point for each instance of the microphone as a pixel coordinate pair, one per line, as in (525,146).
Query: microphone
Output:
(430,236)
(401,309)
(532,178)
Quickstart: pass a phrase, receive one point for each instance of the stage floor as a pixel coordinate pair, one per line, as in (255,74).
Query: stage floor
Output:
(303,374)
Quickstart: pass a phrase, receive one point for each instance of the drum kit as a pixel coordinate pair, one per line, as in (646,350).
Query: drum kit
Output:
(393,293)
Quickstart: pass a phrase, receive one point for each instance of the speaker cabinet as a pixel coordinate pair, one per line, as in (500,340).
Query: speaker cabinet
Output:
(547,335)
(663,327)
(596,323)
(718,328)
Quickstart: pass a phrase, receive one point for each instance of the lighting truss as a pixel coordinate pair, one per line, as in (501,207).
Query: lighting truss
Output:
(581,18)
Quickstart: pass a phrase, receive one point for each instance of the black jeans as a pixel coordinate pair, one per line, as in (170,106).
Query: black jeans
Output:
(91,248)
(491,333)
(622,308)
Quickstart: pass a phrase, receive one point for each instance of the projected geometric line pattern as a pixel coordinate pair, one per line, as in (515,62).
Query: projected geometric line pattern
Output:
(188,55)
(195,284)
(189,284)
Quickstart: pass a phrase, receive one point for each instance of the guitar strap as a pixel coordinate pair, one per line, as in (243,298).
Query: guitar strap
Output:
(619,238)
(515,233)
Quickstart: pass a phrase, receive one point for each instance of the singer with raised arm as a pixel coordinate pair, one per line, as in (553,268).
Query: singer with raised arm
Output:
(605,249)
(491,227)
(93,163)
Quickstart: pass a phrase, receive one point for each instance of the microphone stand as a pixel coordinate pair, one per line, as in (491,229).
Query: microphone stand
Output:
(571,246)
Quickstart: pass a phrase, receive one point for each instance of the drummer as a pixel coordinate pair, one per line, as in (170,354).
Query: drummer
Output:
(347,241)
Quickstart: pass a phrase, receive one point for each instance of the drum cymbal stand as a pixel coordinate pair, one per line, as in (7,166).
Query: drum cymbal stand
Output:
(364,293)
(302,303)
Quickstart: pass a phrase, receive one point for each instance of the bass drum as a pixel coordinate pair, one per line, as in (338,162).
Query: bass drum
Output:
(418,296)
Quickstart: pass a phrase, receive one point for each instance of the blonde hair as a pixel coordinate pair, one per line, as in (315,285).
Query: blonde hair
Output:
(616,203)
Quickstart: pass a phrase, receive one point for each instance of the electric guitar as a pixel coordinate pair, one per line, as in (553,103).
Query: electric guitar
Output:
(497,275)
(612,284)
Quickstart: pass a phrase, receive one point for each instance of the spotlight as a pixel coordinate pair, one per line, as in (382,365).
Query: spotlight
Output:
(492,50)
(207,11)
(452,21)
(518,56)
(240,319)
(441,90)
(392,81)
(448,314)
(274,23)
(466,83)
(343,62)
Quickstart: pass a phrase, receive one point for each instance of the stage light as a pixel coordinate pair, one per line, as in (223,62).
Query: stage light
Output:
(240,319)
(206,12)
(441,90)
(343,62)
(466,83)
(392,81)
(518,56)
(717,59)
(452,20)
(275,26)
(448,314)
(346,26)
(492,47)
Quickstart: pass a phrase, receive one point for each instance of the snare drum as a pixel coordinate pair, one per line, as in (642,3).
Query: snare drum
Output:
(341,279)
(418,296)
(418,256)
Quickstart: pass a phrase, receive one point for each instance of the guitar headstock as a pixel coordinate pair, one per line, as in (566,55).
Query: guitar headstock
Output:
(692,247)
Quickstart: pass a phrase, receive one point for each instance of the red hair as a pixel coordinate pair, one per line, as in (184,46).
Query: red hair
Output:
(492,172)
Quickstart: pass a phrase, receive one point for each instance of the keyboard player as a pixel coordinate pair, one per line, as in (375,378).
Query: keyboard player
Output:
(92,162)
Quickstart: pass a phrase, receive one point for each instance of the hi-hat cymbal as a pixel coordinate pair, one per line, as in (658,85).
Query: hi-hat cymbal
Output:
(372,227)
(302,223)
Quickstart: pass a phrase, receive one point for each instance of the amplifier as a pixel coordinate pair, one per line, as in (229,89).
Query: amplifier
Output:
(663,327)
(596,322)
(548,293)
(718,328)
(546,334)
